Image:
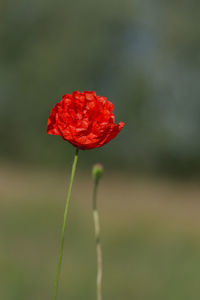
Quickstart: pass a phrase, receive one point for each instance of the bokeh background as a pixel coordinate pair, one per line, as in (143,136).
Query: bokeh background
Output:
(145,57)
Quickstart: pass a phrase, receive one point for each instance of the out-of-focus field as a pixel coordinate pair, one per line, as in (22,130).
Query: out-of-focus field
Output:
(150,237)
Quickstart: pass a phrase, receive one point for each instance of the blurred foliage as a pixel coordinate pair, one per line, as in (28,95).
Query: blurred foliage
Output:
(149,231)
(144,56)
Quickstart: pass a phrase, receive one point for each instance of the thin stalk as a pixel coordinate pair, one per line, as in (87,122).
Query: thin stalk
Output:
(64,224)
(98,242)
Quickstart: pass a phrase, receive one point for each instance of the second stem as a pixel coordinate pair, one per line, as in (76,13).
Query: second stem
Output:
(98,243)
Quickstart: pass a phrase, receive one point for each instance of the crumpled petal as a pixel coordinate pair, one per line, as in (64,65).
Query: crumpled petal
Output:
(84,119)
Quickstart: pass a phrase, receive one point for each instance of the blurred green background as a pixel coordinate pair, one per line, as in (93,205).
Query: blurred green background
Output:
(145,57)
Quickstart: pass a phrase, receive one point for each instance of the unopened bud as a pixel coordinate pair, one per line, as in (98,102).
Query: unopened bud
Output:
(97,172)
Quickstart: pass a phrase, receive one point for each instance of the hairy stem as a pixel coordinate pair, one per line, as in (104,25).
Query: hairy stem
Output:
(98,243)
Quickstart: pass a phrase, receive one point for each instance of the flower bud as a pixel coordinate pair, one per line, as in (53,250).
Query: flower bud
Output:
(97,172)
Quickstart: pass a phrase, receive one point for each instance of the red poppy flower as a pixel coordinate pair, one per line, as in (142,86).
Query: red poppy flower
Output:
(84,119)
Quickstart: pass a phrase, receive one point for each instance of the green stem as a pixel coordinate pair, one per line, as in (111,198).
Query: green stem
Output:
(64,223)
(98,243)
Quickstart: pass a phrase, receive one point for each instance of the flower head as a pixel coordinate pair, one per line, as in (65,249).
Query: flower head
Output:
(84,119)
